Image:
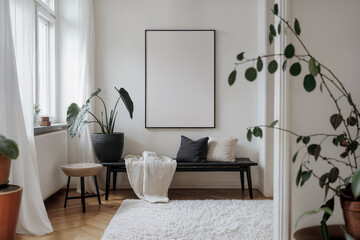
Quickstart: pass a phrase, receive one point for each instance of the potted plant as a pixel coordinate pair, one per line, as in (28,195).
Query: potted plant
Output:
(108,145)
(345,122)
(8,150)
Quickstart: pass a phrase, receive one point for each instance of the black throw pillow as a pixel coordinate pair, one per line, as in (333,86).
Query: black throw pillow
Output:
(192,151)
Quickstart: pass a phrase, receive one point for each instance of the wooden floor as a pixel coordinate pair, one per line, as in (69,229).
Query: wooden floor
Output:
(71,223)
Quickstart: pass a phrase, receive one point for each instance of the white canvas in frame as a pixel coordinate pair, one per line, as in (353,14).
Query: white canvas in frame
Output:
(180,78)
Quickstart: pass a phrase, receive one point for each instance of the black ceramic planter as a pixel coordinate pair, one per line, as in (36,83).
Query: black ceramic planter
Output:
(108,147)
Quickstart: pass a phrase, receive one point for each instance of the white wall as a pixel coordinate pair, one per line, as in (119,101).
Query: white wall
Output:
(331,32)
(120,29)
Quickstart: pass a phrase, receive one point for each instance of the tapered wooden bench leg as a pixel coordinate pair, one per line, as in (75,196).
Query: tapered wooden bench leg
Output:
(67,191)
(97,189)
(82,193)
(248,174)
(242,179)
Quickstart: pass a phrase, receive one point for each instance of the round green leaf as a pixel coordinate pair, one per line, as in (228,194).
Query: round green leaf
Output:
(8,148)
(289,51)
(333,174)
(240,56)
(272,67)
(232,77)
(309,83)
(272,30)
(259,64)
(297,27)
(284,65)
(276,9)
(279,28)
(312,67)
(271,38)
(251,74)
(295,69)
(249,135)
(258,132)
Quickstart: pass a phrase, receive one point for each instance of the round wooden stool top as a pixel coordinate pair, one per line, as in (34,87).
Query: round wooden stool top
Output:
(82,169)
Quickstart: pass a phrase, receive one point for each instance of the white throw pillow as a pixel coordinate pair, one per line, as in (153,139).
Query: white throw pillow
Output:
(221,149)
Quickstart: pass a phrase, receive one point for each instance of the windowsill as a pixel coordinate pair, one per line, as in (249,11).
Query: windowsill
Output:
(47,129)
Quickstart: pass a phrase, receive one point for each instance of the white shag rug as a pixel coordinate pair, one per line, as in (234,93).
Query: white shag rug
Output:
(192,219)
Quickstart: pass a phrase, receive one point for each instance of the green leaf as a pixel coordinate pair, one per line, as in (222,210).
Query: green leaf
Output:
(313,211)
(249,135)
(353,146)
(240,56)
(309,83)
(333,174)
(284,66)
(295,69)
(297,27)
(8,148)
(76,118)
(347,180)
(250,74)
(322,180)
(279,28)
(306,140)
(257,132)
(298,176)
(336,120)
(326,191)
(312,67)
(295,156)
(321,87)
(314,150)
(259,64)
(338,139)
(232,77)
(276,9)
(299,139)
(348,236)
(355,184)
(272,30)
(125,97)
(272,67)
(274,123)
(304,177)
(330,204)
(271,38)
(93,94)
(289,51)
(324,231)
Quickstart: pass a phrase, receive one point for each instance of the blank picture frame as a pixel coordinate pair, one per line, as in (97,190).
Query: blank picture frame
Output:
(179,78)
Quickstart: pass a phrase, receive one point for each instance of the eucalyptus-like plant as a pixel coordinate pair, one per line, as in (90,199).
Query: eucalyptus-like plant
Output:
(8,148)
(76,116)
(345,122)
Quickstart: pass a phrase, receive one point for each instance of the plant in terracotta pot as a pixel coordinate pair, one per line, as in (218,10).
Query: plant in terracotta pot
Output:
(8,150)
(336,181)
(108,145)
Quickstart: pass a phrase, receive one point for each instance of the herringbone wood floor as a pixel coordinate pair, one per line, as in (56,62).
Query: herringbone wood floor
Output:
(72,224)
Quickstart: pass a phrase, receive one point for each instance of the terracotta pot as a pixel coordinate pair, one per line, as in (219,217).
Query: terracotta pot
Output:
(351,212)
(5,164)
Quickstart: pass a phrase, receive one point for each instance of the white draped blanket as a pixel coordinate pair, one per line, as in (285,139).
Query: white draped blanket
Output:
(150,175)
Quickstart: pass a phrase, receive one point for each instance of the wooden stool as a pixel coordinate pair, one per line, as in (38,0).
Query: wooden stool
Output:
(82,170)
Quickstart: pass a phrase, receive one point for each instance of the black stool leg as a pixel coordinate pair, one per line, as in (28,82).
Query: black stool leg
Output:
(114,180)
(82,193)
(248,173)
(242,179)
(67,191)
(97,189)
(108,172)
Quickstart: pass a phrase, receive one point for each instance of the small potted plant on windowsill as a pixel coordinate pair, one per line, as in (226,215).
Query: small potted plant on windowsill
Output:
(8,150)
(108,145)
(342,184)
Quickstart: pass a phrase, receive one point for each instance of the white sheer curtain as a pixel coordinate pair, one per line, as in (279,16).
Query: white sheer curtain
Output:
(16,121)
(86,81)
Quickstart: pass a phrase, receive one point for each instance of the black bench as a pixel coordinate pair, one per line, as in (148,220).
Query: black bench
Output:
(240,165)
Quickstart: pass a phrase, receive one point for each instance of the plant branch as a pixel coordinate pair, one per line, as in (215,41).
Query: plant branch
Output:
(106,114)
(293,133)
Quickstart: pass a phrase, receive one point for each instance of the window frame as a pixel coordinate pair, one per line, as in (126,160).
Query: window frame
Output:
(44,13)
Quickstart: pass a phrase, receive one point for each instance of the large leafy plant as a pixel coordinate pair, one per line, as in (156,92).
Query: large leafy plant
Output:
(76,116)
(8,148)
(345,121)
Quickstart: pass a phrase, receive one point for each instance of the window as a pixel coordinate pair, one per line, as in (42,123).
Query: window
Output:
(45,87)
